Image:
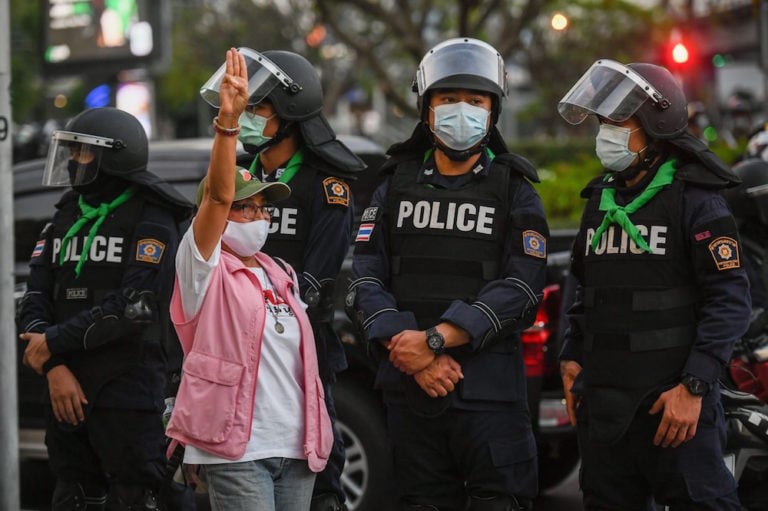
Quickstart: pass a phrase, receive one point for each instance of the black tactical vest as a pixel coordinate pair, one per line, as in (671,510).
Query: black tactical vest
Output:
(291,222)
(445,244)
(640,309)
(101,274)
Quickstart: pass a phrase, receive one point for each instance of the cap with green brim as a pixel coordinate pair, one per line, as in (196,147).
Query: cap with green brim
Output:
(246,185)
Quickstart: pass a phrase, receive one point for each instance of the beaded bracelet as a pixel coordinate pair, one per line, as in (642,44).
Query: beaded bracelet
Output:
(227,132)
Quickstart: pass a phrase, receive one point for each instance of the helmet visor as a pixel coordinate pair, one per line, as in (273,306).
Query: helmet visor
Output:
(454,59)
(608,89)
(263,76)
(73,158)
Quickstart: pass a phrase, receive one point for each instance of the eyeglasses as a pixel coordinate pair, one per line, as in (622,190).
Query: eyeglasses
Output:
(252,111)
(252,211)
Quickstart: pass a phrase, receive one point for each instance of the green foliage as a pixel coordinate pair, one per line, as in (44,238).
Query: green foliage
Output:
(26,85)
(564,168)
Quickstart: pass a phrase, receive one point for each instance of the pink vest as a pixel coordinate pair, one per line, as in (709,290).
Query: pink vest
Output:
(222,347)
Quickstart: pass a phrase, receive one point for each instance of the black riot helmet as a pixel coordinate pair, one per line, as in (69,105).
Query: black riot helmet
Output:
(116,144)
(617,92)
(289,104)
(749,200)
(129,149)
(462,63)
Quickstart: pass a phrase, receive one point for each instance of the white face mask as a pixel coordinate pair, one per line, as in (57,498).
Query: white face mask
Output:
(460,125)
(246,238)
(612,147)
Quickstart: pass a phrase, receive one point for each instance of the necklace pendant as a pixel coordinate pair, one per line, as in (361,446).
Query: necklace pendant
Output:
(279,328)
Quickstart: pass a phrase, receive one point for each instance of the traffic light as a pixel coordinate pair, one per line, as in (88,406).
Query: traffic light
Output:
(680,53)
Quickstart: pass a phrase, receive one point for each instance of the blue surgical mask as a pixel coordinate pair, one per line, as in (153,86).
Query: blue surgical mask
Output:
(460,125)
(252,129)
(612,147)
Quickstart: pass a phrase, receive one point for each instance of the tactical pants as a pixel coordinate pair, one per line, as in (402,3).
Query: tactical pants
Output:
(119,451)
(631,473)
(441,462)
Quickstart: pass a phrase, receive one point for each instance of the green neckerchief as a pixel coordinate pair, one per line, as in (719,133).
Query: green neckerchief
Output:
(88,213)
(620,214)
(291,168)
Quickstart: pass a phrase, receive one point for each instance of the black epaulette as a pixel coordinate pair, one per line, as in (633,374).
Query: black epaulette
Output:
(518,164)
(698,174)
(68,196)
(595,184)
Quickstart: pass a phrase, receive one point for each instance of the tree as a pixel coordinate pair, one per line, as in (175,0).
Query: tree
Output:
(388,39)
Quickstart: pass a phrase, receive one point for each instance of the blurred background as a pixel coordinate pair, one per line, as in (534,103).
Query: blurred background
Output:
(151,56)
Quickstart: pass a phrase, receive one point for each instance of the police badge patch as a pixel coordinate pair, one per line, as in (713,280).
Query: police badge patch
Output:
(725,252)
(336,191)
(534,244)
(149,251)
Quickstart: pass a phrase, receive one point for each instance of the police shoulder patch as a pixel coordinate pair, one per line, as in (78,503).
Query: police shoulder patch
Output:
(534,244)
(336,191)
(725,252)
(149,250)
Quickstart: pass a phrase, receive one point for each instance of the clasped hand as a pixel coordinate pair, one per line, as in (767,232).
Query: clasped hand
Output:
(36,353)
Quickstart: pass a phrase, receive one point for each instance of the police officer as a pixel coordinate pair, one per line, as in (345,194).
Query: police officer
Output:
(288,139)
(95,313)
(662,297)
(448,267)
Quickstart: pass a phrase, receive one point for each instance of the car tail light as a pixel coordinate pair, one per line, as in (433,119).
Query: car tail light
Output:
(535,338)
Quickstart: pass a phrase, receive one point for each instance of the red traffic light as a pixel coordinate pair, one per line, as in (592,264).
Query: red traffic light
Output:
(680,54)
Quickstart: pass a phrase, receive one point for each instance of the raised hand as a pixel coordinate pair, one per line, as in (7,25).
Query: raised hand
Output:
(233,91)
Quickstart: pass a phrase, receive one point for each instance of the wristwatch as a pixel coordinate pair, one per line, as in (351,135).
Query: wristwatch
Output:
(435,341)
(696,386)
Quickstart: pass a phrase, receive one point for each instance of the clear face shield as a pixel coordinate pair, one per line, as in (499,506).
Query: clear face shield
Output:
(74,158)
(263,76)
(461,57)
(610,90)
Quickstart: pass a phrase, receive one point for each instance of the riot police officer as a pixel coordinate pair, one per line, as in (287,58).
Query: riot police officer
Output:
(448,267)
(288,139)
(95,313)
(661,298)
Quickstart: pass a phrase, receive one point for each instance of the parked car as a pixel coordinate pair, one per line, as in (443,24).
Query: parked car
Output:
(367,477)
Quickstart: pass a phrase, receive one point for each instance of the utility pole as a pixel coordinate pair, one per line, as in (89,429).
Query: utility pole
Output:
(9,422)
(762,33)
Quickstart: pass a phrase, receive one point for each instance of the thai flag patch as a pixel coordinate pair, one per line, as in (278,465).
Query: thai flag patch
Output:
(39,246)
(364,232)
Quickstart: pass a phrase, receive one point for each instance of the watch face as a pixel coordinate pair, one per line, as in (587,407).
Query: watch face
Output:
(695,386)
(435,342)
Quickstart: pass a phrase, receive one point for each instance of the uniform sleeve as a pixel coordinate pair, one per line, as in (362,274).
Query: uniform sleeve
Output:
(330,234)
(149,272)
(380,316)
(725,301)
(509,302)
(573,336)
(36,310)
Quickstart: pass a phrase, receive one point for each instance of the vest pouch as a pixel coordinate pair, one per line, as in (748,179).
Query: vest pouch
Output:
(610,412)
(495,374)
(210,386)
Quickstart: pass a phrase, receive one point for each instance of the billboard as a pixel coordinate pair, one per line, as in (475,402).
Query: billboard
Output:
(111,34)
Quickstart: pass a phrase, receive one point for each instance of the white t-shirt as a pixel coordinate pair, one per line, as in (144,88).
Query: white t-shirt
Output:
(278,415)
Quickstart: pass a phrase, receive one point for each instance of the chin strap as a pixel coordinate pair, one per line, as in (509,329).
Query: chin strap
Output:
(464,155)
